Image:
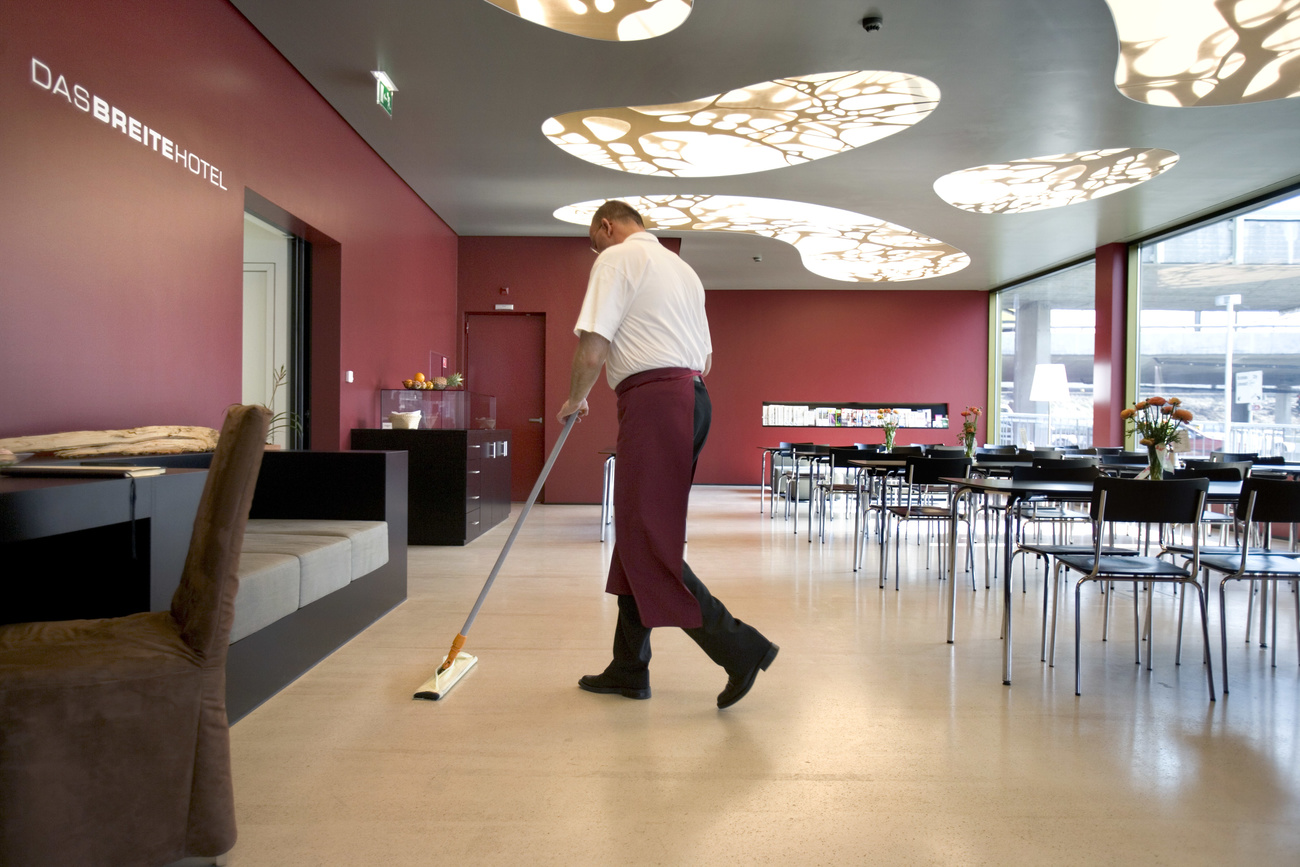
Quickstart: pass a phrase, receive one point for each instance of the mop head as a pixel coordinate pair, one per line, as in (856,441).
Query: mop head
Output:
(437,686)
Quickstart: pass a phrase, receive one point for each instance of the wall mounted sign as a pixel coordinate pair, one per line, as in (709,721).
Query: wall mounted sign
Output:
(82,99)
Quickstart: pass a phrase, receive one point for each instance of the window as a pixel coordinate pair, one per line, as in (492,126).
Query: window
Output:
(1219,327)
(1046,345)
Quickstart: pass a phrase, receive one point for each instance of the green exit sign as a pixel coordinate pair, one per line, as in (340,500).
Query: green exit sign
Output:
(384,90)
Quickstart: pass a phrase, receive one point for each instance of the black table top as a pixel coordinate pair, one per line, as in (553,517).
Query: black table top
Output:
(1219,492)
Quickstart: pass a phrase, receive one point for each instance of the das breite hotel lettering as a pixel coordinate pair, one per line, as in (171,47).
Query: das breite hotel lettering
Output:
(44,78)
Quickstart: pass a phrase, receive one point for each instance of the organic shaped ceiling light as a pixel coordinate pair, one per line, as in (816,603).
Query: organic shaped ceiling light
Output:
(611,20)
(834,243)
(764,126)
(1207,52)
(1051,182)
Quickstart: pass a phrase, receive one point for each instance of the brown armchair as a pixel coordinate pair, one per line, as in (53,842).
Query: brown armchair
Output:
(114,745)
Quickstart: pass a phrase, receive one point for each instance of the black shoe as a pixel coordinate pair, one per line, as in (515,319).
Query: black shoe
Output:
(738,686)
(605,684)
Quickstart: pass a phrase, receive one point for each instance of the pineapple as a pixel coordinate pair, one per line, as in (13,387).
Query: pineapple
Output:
(439,382)
(456,380)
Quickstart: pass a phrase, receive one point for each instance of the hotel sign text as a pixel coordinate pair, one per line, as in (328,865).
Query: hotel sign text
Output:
(82,99)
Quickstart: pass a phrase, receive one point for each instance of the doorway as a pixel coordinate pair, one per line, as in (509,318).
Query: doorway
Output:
(505,356)
(273,327)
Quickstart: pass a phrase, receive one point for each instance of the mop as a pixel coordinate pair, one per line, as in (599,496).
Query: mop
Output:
(458,663)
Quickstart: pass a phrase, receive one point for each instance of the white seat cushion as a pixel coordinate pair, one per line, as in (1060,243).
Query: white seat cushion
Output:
(269,588)
(369,538)
(325,561)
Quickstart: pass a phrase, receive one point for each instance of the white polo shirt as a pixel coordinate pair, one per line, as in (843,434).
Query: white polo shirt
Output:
(649,305)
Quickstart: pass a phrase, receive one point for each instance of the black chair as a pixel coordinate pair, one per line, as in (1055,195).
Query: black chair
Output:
(1215,471)
(838,477)
(923,498)
(1109,450)
(1264,501)
(1233,471)
(1054,549)
(785,475)
(1116,463)
(995,450)
(1228,457)
(946,451)
(812,454)
(1065,463)
(1139,501)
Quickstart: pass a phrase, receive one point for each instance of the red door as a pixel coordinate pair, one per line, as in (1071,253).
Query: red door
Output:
(505,356)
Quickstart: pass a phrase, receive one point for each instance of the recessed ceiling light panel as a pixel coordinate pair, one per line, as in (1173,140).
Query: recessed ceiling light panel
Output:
(1207,52)
(1040,183)
(834,243)
(769,125)
(611,20)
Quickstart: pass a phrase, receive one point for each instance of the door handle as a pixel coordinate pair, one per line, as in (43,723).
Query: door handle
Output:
(536,420)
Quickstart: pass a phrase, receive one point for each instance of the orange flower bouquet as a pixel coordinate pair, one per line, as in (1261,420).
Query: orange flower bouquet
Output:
(970,419)
(888,419)
(1157,423)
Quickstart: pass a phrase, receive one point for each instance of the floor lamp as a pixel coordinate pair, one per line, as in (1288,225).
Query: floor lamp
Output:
(1049,386)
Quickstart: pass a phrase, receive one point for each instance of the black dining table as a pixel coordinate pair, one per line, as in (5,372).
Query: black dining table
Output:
(1015,490)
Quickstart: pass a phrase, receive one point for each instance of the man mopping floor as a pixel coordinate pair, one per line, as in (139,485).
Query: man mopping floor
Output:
(643,320)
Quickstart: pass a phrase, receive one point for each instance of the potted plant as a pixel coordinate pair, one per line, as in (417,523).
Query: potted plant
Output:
(288,420)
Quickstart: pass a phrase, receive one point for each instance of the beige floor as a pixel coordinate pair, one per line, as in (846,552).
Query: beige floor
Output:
(870,740)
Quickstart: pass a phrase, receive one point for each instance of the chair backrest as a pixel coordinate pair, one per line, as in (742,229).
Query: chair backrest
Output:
(1053,473)
(841,455)
(1270,459)
(995,450)
(1171,501)
(1219,471)
(1214,474)
(1042,453)
(906,451)
(1109,450)
(927,471)
(945,451)
(1277,501)
(1228,457)
(1066,463)
(1124,458)
(1082,451)
(204,603)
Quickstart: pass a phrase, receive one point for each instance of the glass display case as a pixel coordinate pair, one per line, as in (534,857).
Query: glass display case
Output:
(439,410)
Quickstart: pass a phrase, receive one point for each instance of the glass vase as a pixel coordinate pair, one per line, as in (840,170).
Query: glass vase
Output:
(889,439)
(1155,462)
(968,440)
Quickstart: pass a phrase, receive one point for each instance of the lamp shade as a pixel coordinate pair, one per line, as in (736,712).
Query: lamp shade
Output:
(1050,384)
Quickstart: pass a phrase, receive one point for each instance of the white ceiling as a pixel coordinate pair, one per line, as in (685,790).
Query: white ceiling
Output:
(1018,78)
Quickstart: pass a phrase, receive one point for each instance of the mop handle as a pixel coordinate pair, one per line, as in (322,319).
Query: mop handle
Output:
(532,498)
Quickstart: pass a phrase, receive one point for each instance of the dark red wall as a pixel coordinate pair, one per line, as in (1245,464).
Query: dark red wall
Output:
(868,345)
(546,275)
(120,300)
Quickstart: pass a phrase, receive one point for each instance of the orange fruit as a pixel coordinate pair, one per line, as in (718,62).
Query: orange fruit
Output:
(419,377)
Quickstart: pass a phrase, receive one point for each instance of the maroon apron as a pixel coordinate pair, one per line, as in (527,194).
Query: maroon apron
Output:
(652,486)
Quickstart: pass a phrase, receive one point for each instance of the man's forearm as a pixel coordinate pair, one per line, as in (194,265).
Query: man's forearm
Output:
(588,359)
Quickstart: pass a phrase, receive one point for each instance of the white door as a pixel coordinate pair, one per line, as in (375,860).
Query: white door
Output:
(266,316)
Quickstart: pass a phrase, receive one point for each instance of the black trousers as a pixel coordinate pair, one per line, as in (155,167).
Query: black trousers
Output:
(731,643)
